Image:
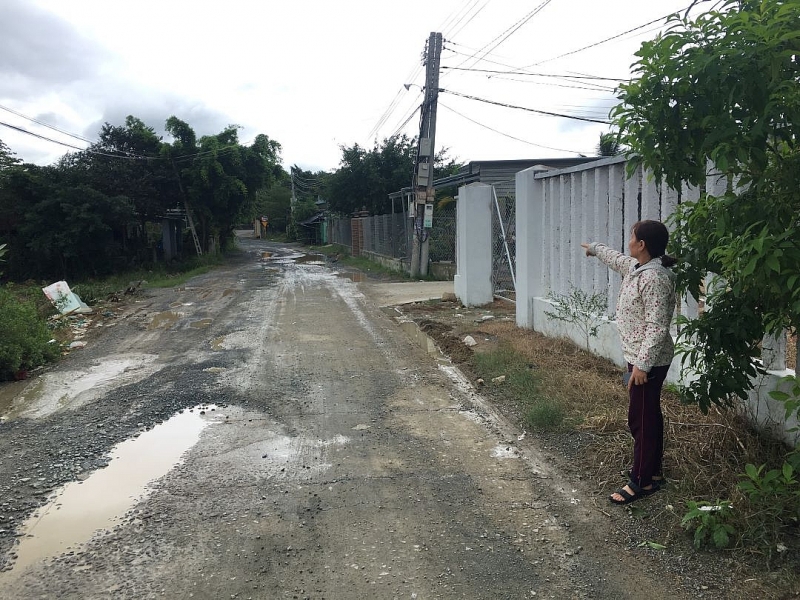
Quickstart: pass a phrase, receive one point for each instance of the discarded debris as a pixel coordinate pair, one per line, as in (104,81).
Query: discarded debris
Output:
(449,297)
(75,345)
(470,341)
(498,380)
(65,300)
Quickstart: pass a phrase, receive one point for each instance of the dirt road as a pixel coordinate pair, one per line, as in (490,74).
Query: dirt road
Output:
(269,432)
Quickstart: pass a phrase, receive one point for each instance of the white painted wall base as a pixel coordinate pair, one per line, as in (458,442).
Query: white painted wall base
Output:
(761,409)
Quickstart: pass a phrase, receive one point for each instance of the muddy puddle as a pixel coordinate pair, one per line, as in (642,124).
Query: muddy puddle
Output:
(165,320)
(310,258)
(56,390)
(80,510)
(354,277)
(201,324)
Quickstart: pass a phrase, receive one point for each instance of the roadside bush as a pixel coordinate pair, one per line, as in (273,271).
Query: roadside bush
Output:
(774,495)
(24,337)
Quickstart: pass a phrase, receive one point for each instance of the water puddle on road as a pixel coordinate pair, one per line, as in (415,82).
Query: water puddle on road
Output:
(165,319)
(80,509)
(354,277)
(314,259)
(201,324)
(55,390)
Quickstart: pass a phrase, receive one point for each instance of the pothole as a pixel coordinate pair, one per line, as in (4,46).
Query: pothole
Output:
(354,277)
(165,319)
(316,259)
(81,509)
(201,324)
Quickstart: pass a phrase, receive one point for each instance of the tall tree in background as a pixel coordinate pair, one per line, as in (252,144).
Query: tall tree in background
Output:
(723,89)
(609,144)
(220,177)
(101,209)
(365,178)
(7,158)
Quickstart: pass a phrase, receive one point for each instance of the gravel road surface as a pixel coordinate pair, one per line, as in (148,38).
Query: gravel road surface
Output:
(267,431)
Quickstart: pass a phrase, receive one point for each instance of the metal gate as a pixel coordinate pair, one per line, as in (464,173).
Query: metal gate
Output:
(504,246)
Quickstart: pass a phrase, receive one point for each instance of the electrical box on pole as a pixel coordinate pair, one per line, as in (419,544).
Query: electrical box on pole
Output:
(423,170)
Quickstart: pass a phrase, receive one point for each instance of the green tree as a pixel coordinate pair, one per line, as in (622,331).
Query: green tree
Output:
(220,177)
(609,144)
(7,158)
(365,178)
(723,88)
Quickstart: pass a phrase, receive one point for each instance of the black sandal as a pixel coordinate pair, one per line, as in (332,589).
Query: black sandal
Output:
(638,492)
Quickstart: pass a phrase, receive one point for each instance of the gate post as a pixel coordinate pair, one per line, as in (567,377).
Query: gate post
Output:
(473,279)
(530,219)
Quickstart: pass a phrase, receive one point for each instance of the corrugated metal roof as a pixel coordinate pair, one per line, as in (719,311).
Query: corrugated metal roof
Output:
(499,173)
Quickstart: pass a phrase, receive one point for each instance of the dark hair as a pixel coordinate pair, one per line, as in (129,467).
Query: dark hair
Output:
(655,236)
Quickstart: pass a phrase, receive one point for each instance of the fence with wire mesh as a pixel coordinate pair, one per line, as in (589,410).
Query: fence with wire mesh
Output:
(504,245)
(391,235)
(340,232)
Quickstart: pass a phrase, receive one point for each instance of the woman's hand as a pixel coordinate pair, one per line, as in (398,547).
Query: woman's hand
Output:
(638,377)
(586,247)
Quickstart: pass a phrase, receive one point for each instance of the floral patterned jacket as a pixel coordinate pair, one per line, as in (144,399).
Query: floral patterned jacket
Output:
(644,309)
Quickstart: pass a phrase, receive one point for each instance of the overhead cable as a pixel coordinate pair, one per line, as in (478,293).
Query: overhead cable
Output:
(536,74)
(506,134)
(505,34)
(43,124)
(608,39)
(533,110)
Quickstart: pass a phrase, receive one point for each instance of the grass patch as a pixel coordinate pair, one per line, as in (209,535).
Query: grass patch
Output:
(159,275)
(705,456)
(363,264)
(521,384)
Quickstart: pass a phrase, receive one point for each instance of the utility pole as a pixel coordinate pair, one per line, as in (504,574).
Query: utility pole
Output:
(422,183)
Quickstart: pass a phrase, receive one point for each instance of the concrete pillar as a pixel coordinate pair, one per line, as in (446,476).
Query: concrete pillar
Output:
(473,280)
(168,239)
(530,220)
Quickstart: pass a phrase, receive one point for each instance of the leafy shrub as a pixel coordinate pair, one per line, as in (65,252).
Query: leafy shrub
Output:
(775,497)
(710,523)
(24,337)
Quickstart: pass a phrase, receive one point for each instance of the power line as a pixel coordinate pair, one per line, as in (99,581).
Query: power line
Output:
(43,137)
(494,62)
(53,127)
(506,134)
(408,117)
(505,34)
(468,21)
(608,39)
(533,110)
(535,74)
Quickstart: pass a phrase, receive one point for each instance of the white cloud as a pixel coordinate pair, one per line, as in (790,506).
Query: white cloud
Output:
(311,74)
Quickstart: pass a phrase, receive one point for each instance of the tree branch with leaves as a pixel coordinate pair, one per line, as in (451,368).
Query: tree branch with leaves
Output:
(722,89)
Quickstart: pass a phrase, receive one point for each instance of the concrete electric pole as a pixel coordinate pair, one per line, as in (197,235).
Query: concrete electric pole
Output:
(423,171)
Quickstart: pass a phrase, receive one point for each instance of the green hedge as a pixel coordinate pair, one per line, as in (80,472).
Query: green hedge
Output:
(24,337)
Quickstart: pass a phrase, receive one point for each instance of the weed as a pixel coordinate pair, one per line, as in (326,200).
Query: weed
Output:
(710,523)
(24,334)
(546,415)
(584,310)
(774,496)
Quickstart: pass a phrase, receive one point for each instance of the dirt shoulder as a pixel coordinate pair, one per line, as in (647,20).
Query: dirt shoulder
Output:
(593,445)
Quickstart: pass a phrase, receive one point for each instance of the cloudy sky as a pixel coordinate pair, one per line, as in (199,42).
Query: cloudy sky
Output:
(318,74)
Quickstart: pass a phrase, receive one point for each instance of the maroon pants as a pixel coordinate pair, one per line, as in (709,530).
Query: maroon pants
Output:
(647,426)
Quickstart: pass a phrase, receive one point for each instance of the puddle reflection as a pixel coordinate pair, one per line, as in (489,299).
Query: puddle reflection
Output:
(80,509)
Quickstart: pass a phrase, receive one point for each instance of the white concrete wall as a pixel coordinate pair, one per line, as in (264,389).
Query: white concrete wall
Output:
(557,210)
(473,280)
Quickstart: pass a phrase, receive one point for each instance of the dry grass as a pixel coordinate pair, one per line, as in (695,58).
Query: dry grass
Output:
(704,454)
